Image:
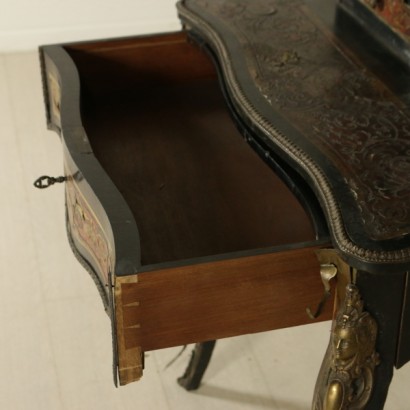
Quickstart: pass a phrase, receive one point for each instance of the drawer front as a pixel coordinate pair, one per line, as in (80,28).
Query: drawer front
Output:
(213,300)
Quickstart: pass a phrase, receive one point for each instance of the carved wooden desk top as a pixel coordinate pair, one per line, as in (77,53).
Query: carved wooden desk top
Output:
(312,101)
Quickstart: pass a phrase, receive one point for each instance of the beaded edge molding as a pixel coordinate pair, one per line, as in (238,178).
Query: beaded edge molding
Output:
(300,157)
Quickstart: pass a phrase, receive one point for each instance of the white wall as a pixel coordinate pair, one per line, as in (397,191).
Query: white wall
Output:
(26,24)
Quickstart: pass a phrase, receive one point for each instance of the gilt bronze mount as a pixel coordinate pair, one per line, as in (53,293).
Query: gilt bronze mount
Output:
(346,378)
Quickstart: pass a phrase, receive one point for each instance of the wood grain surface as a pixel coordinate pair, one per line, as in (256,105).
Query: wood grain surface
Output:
(219,299)
(164,135)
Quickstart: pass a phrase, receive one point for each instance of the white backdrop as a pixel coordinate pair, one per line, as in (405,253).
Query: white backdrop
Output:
(26,24)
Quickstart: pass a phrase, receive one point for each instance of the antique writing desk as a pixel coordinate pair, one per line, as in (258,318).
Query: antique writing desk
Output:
(215,177)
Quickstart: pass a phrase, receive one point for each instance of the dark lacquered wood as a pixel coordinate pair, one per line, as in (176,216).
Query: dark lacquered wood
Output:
(383,299)
(201,355)
(403,346)
(320,109)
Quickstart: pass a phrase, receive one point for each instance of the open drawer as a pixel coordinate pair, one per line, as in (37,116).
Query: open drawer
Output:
(188,233)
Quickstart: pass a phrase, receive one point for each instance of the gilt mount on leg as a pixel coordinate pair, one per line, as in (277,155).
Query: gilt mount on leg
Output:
(347,376)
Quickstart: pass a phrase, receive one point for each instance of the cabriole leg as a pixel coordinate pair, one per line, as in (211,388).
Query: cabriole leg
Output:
(346,378)
(358,366)
(201,355)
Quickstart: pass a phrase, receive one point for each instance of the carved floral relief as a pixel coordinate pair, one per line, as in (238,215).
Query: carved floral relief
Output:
(304,73)
(352,358)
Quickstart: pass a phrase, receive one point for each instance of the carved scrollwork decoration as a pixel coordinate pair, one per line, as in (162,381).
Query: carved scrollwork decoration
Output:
(346,113)
(348,380)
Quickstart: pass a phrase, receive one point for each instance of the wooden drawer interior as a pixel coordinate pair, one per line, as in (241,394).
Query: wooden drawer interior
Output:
(159,125)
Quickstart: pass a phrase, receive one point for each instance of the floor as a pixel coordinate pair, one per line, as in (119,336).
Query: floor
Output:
(55,343)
